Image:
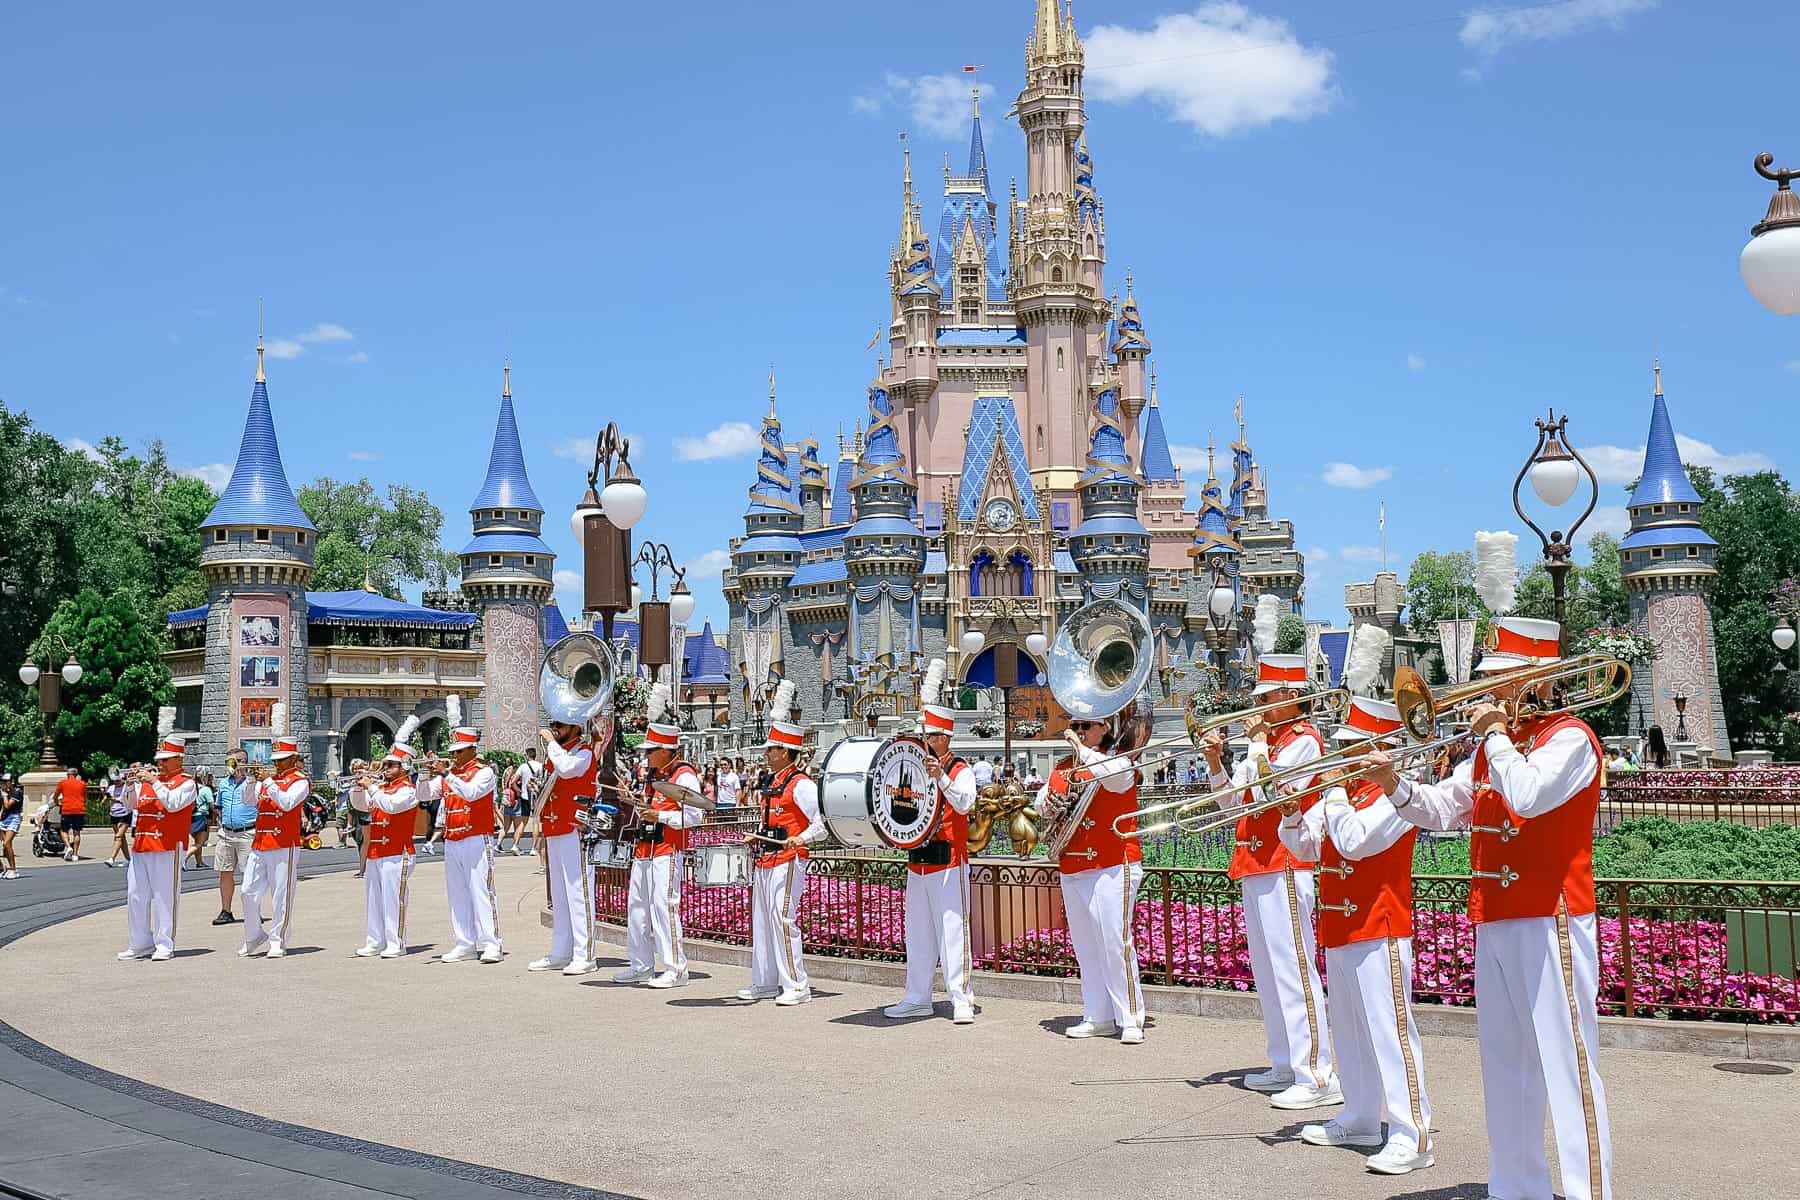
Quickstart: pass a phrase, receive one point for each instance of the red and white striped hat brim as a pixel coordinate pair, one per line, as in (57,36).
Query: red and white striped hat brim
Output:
(781,733)
(658,736)
(1368,718)
(463,737)
(171,747)
(285,748)
(935,718)
(1276,671)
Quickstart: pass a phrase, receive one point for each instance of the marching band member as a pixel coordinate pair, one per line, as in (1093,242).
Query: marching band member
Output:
(1365,855)
(1529,793)
(393,807)
(791,821)
(571,878)
(1278,898)
(937,876)
(653,906)
(466,816)
(275,850)
(1100,875)
(153,885)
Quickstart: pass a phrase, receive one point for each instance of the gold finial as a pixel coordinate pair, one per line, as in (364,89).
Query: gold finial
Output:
(1656,369)
(771,391)
(369,583)
(1152,385)
(1237,413)
(506,375)
(1211,477)
(260,377)
(1128,294)
(840,439)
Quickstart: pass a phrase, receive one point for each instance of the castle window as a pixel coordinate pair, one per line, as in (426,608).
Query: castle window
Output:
(969,275)
(1693,552)
(219,536)
(1040,440)
(1656,509)
(1056,275)
(493,560)
(262,535)
(300,537)
(1059,349)
(971,312)
(1683,508)
(531,560)
(1656,552)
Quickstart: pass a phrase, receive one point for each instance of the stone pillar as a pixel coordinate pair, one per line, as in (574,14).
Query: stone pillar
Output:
(514,639)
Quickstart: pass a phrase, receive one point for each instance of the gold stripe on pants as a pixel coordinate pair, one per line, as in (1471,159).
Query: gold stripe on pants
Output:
(1312,1012)
(406,866)
(1406,1054)
(287,910)
(1588,1116)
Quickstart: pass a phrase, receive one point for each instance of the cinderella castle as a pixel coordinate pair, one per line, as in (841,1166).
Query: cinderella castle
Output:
(1014,464)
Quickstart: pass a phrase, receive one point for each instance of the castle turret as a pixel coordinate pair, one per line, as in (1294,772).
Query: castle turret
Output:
(507,573)
(812,485)
(883,550)
(256,553)
(763,563)
(1111,546)
(1132,348)
(1215,551)
(1668,565)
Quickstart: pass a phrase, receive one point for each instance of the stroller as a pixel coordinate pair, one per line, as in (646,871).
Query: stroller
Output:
(47,839)
(313,812)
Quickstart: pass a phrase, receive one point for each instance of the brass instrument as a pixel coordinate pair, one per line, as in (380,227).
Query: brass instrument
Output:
(575,686)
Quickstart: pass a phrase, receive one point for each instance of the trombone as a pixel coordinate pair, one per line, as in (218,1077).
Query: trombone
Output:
(1590,680)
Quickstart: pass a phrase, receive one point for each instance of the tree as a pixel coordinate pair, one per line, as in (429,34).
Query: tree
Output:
(40,481)
(110,716)
(361,538)
(1440,587)
(137,528)
(1594,597)
(1290,634)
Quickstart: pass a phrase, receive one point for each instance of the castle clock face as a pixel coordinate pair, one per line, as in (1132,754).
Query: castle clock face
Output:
(1001,514)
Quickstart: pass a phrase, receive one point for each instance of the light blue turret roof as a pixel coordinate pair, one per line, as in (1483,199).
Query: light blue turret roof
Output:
(840,490)
(506,485)
(1107,445)
(1159,464)
(774,490)
(1665,480)
(258,493)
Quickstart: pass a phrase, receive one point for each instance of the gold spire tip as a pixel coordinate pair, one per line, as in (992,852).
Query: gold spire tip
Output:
(260,377)
(771,391)
(1656,370)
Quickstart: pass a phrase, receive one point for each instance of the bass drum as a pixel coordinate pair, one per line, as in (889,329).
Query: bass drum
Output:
(879,792)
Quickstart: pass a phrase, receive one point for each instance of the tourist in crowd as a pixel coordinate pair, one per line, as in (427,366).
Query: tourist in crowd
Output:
(511,821)
(12,815)
(201,821)
(1619,761)
(71,793)
(232,797)
(1033,780)
(531,778)
(1656,748)
(709,786)
(729,784)
(984,773)
(118,810)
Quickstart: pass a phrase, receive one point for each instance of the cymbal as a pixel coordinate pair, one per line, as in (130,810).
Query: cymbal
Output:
(682,795)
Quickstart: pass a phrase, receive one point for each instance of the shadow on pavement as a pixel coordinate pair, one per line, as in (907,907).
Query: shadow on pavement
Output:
(1460,1191)
(1231,1076)
(193,952)
(293,950)
(873,1018)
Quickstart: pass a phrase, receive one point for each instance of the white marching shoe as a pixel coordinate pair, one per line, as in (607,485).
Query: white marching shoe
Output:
(1398,1157)
(392,952)
(580,966)
(1091,1029)
(751,993)
(162,955)
(1303,1095)
(547,963)
(459,954)
(789,999)
(129,955)
(249,948)
(1269,1081)
(962,1014)
(369,950)
(907,1008)
(1131,1035)
(670,979)
(275,951)
(631,975)
(1331,1133)
(491,955)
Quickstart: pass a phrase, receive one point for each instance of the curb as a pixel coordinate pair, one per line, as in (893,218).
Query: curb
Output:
(1713,1039)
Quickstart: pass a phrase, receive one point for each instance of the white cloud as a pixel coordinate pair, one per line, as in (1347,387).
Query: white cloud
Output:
(1359,553)
(1221,69)
(1191,460)
(1349,475)
(327,331)
(82,446)
(580,449)
(1491,32)
(1622,464)
(1317,554)
(364,456)
(358,359)
(727,441)
(569,586)
(937,105)
(710,565)
(214,475)
(284,348)
(1606,518)
(1415,362)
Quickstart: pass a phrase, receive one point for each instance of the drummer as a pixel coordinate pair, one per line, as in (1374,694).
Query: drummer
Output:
(790,823)
(653,907)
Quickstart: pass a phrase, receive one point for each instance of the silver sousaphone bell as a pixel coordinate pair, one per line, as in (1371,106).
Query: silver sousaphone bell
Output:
(575,686)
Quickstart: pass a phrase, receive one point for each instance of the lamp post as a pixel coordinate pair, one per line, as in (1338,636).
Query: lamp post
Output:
(49,686)
(1015,614)
(1681,729)
(1770,262)
(1221,599)
(1555,470)
(602,524)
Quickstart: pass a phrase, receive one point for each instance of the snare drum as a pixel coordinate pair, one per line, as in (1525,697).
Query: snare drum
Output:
(605,852)
(720,866)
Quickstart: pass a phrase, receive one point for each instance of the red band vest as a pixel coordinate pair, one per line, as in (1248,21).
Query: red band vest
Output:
(561,807)
(1259,850)
(1530,868)
(277,830)
(467,818)
(952,830)
(1365,898)
(672,839)
(158,829)
(782,813)
(391,833)
(1095,844)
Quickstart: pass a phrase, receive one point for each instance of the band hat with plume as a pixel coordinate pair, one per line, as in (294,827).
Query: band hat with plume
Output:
(282,746)
(783,732)
(1497,569)
(453,710)
(658,733)
(934,718)
(168,745)
(402,751)
(1266,622)
(1362,662)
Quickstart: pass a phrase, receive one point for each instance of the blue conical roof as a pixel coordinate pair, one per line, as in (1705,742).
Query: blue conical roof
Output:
(1159,464)
(1108,443)
(977,152)
(1664,480)
(507,485)
(258,493)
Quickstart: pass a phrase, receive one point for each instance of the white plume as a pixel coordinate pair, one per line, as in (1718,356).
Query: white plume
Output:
(278,719)
(784,701)
(1496,569)
(657,707)
(408,727)
(165,721)
(453,710)
(933,687)
(1268,616)
(1362,663)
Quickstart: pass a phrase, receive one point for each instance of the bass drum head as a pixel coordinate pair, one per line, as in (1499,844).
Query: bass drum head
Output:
(902,797)
(844,795)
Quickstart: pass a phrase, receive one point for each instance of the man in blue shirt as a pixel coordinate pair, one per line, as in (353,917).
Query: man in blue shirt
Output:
(237,823)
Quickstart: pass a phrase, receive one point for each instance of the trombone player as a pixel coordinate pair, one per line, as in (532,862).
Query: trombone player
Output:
(280,789)
(653,943)
(1279,894)
(1365,855)
(1529,794)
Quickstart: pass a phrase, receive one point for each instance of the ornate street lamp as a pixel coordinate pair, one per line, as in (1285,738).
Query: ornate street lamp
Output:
(1770,262)
(1681,729)
(656,616)
(1221,599)
(49,686)
(1555,470)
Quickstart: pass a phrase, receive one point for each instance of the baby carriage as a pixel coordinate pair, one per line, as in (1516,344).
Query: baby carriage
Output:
(47,839)
(313,812)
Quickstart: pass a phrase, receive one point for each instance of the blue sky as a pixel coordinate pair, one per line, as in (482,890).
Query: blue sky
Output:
(1401,233)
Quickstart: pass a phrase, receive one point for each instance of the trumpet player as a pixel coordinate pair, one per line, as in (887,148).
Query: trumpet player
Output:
(1365,855)
(571,878)
(937,883)
(466,819)
(153,883)
(1100,875)
(393,808)
(274,851)
(653,906)
(1529,794)
(1278,895)
(790,823)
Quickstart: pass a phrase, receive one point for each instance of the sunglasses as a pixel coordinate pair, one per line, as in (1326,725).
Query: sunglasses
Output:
(1086,725)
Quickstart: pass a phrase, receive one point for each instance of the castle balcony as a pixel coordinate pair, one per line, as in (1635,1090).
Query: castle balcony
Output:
(353,670)
(187,667)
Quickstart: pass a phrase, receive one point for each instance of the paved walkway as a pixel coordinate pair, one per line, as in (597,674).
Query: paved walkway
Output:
(694,1094)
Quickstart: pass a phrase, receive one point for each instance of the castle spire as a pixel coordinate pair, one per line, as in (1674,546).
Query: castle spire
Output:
(506,376)
(772,395)
(1158,464)
(1656,369)
(1044,38)
(258,491)
(260,376)
(507,486)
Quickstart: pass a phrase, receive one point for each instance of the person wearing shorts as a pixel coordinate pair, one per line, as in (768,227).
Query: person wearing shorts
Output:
(72,793)
(12,815)
(236,803)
